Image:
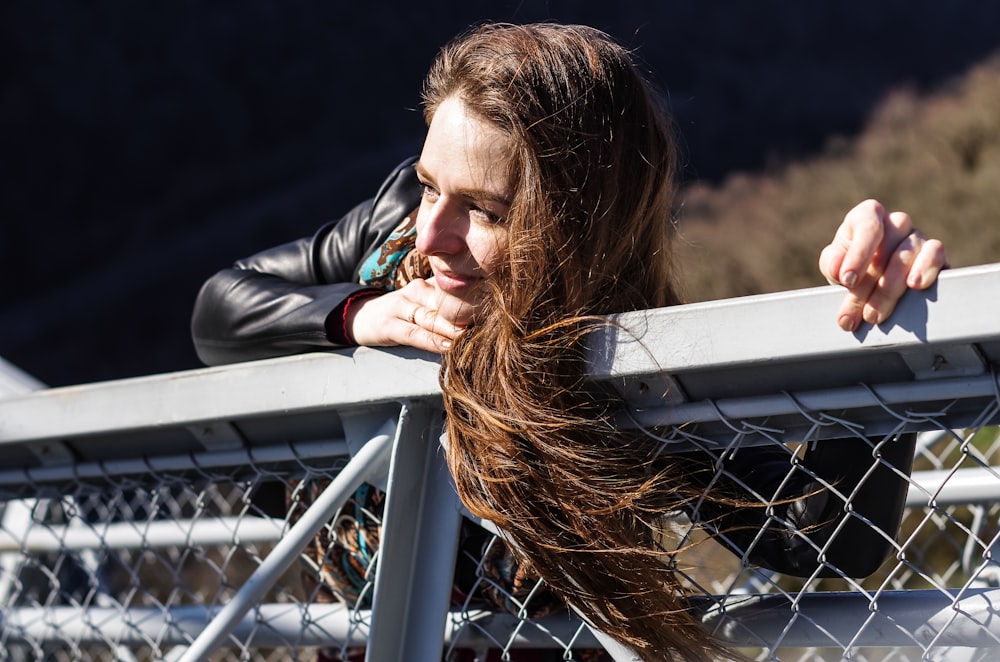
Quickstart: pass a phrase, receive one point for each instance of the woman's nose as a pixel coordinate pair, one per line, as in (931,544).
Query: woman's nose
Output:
(439,229)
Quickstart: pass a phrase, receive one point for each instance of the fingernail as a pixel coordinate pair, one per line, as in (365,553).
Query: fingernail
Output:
(873,316)
(914,281)
(847,323)
(446,344)
(850,279)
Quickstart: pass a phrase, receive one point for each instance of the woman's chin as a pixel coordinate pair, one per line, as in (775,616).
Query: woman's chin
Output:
(459,307)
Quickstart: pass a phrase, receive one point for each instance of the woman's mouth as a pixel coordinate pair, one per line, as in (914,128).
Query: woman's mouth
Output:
(453,282)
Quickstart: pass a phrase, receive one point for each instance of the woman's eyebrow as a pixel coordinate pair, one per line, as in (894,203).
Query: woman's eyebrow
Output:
(468,193)
(484,196)
(421,171)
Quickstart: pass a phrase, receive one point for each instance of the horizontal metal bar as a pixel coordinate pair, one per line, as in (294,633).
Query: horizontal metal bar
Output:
(14,381)
(283,386)
(928,488)
(272,625)
(841,620)
(973,486)
(792,329)
(268,625)
(795,326)
(844,399)
(173,464)
(822,620)
(206,532)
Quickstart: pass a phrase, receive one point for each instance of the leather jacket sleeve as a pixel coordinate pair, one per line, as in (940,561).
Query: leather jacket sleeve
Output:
(810,528)
(277,301)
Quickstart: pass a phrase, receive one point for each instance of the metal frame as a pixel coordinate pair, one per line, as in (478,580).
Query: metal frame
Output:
(703,363)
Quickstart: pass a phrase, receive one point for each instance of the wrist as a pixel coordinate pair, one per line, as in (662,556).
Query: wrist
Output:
(340,322)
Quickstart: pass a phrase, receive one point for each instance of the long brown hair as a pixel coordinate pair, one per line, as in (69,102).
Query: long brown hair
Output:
(531,443)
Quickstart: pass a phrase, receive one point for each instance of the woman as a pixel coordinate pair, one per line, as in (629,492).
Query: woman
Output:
(540,202)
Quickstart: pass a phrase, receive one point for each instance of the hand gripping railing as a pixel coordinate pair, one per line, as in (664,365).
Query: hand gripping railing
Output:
(758,370)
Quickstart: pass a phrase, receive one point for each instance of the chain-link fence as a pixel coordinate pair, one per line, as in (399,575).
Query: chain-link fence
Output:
(182,531)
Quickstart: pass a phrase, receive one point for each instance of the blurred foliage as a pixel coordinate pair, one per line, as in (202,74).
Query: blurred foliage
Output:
(935,155)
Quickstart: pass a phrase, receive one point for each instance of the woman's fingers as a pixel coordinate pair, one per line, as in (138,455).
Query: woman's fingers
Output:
(408,316)
(888,286)
(877,256)
(427,328)
(848,257)
(929,262)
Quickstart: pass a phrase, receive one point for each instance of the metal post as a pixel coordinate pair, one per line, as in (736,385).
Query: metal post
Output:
(419,545)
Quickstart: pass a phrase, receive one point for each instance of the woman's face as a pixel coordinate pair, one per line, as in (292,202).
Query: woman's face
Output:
(461,225)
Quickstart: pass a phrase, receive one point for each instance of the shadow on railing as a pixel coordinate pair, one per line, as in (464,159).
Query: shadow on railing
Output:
(158,518)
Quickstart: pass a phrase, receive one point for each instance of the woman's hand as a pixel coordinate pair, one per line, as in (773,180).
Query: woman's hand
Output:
(416,315)
(877,255)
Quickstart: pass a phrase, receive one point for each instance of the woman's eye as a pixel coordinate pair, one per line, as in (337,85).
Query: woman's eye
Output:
(429,192)
(484,216)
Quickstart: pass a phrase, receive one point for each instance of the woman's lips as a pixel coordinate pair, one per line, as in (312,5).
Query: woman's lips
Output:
(450,281)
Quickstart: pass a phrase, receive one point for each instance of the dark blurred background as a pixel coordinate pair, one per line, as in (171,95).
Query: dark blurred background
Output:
(146,145)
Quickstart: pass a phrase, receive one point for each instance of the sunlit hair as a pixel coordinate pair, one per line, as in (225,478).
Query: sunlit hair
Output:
(531,442)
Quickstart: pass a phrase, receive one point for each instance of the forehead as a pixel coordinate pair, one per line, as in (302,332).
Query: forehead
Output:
(462,150)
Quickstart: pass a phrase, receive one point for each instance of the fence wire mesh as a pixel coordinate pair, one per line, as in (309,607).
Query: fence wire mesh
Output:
(97,569)
(100,564)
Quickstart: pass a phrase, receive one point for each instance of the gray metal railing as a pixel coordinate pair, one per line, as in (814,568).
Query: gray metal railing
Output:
(135,518)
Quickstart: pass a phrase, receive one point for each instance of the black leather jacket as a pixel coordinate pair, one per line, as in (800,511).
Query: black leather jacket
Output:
(278,301)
